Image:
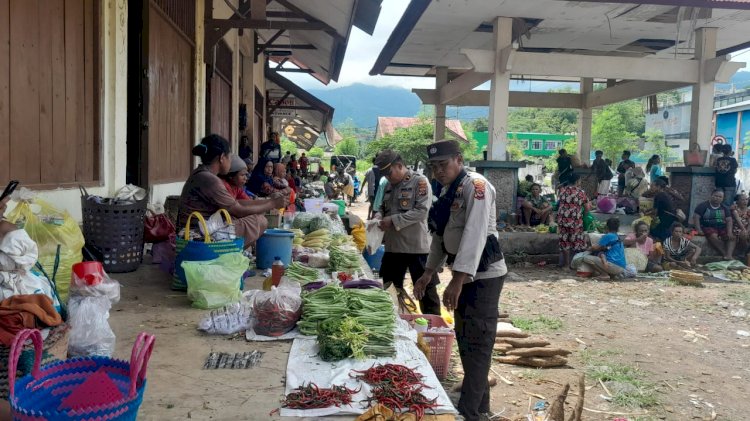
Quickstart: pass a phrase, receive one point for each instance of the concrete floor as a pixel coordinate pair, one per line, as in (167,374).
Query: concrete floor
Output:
(178,388)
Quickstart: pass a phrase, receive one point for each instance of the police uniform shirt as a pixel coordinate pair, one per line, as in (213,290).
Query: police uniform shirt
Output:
(471,220)
(408,204)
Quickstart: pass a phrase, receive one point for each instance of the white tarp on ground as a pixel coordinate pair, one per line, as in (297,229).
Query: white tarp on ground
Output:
(305,366)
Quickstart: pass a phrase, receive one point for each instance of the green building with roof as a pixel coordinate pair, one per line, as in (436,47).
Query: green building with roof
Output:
(532,144)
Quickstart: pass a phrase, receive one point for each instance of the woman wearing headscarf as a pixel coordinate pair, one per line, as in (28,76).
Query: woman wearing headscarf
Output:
(204,192)
(261,181)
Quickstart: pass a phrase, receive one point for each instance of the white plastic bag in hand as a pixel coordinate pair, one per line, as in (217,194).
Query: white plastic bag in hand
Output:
(374,236)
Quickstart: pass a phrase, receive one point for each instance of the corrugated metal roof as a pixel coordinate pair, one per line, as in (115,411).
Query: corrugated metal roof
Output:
(388,125)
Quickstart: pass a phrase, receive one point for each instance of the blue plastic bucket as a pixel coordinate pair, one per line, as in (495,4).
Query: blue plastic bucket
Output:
(274,243)
(376,259)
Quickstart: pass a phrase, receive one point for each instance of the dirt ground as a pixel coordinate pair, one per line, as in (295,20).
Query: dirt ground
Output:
(663,351)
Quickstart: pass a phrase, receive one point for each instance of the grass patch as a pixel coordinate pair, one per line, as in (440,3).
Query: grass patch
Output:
(632,390)
(537,324)
(742,295)
(510,295)
(534,375)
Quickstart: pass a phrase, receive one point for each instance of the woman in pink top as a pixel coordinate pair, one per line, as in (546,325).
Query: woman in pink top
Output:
(645,244)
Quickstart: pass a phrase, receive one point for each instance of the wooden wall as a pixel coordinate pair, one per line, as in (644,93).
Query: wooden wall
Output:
(49,101)
(170,109)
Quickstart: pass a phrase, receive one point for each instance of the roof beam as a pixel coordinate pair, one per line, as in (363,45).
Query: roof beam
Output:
(330,30)
(481,98)
(278,103)
(581,65)
(628,90)
(288,46)
(222,24)
(260,48)
(462,84)
(293,70)
(721,69)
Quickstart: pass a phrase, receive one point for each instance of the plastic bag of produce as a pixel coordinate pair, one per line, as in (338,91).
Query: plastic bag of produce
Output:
(215,283)
(50,228)
(229,319)
(374,236)
(90,334)
(278,310)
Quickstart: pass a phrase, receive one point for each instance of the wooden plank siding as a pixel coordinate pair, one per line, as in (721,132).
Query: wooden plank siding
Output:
(4,90)
(49,116)
(170,78)
(221,107)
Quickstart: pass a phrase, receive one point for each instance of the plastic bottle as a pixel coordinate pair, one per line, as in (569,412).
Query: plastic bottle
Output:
(421,325)
(277,271)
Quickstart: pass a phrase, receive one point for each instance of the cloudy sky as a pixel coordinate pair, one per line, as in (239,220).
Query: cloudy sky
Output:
(363,49)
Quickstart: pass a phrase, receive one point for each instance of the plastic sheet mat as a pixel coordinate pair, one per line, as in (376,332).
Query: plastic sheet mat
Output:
(304,366)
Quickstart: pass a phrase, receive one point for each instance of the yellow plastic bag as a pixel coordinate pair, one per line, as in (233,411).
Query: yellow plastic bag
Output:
(50,227)
(360,236)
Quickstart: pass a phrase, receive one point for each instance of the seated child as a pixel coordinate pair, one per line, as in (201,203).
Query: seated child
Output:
(645,244)
(611,260)
(678,250)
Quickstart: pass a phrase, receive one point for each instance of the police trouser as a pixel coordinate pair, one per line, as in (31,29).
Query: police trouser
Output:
(393,270)
(476,326)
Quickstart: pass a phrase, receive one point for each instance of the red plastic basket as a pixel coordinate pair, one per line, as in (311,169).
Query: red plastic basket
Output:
(441,344)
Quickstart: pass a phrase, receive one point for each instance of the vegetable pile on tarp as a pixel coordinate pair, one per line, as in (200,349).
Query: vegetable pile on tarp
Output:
(313,397)
(341,338)
(277,311)
(318,239)
(302,274)
(372,308)
(310,222)
(398,388)
(344,259)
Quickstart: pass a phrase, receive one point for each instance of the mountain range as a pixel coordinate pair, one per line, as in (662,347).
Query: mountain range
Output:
(364,103)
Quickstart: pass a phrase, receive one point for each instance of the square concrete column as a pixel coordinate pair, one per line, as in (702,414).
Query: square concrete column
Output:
(441,79)
(585,118)
(701,110)
(499,92)
(503,175)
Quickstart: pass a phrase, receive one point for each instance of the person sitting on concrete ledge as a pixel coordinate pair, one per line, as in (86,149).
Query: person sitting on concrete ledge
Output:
(714,220)
(678,250)
(610,260)
(536,209)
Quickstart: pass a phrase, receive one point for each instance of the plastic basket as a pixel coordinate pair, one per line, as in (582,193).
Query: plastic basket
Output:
(70,390)
(116,230)
(441,344)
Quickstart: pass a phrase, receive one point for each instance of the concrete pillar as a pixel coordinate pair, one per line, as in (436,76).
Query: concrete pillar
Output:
(441,79)
(499,93)
(585,117)
(701,110)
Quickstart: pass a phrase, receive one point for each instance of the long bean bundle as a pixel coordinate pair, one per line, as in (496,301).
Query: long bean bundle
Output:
(302,273)
(371,308)
(344,259)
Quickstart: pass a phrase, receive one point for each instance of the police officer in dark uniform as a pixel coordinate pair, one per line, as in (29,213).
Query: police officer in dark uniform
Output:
(406,202)
(464,234)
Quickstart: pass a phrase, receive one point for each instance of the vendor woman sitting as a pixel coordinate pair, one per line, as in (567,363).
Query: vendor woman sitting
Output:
(536,209)
(236,179)
(205,193)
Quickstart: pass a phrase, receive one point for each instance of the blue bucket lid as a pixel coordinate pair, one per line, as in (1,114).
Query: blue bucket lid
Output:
(278,233)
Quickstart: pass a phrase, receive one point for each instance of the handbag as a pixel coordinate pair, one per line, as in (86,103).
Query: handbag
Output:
(157,227)
(200,251)
(695,157)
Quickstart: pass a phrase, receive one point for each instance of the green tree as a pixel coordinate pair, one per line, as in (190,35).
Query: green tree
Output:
(479,124)
(411,143)
(658,145)
(348,146)
(617,127)
(316,152)
(288,145)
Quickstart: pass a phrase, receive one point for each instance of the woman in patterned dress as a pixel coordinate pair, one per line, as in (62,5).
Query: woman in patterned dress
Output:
(572,200)
(741,226)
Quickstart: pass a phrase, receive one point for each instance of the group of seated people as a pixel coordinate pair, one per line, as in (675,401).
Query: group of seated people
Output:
(220,183)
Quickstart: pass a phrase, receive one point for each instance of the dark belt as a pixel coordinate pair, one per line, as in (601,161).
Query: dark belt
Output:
(491,253)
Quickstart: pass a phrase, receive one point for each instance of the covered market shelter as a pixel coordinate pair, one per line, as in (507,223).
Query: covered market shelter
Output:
(635,48)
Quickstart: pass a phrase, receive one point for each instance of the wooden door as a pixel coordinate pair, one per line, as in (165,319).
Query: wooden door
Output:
(219,95)
(168,92)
